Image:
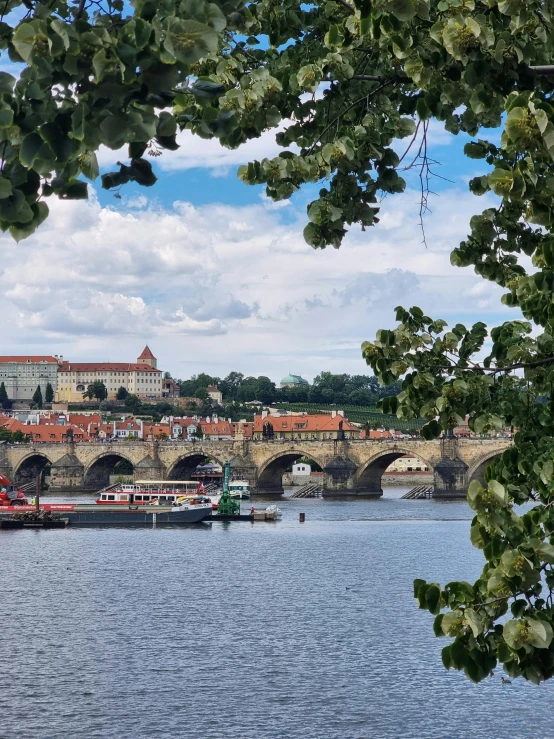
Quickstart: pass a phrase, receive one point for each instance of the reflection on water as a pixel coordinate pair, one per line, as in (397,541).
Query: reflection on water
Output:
(246,630)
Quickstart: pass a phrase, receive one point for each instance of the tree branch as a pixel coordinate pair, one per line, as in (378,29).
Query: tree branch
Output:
(346,5)
(381,77)
(543,69)
(370,94)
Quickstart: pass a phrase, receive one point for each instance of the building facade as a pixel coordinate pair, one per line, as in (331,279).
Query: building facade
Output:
(215,394)
(312,427)
(22,375)
(142,378)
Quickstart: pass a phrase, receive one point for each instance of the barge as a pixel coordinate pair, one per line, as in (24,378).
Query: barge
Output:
(91,514)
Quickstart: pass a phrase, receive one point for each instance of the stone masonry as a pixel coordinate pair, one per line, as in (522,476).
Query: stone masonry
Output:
(352,467)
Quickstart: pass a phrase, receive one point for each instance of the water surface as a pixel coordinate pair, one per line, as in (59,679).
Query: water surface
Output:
(247,631)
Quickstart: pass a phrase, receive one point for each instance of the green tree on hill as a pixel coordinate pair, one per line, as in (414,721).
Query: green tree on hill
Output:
(96,391)
(37,397)
(49,393)
(122,393)
(3,395)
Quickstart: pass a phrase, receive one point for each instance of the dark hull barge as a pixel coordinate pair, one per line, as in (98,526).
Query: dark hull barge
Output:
(103,515)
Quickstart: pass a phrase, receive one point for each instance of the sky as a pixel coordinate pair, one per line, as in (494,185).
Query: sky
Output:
(215,277)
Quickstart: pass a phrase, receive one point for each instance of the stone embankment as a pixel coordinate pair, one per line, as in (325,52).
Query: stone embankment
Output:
(401,479)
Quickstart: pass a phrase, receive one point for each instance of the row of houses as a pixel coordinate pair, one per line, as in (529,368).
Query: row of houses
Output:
(60,427)
(52,426)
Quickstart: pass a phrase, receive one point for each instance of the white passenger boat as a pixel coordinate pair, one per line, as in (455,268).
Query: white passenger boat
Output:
(239,489)
(152,492)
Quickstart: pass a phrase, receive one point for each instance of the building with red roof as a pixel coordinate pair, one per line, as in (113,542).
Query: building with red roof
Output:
(141,378)
(22,375)
(319,426)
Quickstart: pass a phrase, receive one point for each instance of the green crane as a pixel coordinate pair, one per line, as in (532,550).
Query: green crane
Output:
(227,506)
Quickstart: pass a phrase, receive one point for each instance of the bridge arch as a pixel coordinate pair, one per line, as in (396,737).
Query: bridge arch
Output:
(479,466)
(30,467)
(369,475)
(270,474)
(185,465)
(97,473)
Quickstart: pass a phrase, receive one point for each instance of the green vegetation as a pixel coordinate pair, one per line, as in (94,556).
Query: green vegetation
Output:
(96,390)
(15,436)
(4,400)
(356,390)
(122,393)
(359,414)
(37,397)
(49,393)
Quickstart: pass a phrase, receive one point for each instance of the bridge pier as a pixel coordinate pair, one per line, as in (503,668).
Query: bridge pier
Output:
(6,468)
(67,474)
(340,480)
(450,474)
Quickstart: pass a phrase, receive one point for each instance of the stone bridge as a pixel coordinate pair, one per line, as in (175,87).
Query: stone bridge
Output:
(351,467)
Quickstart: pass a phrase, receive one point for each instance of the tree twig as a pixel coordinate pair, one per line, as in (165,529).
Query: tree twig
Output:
(346,5)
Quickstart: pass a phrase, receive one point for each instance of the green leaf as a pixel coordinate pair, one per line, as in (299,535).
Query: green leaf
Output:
(206,88)
(432,599)
(540,633)
(189,41)
(75,190)
(114,131)
(6,117)
(89,165)
(431,430)
(7,83)
(404,10)
(30,148)
(5,188)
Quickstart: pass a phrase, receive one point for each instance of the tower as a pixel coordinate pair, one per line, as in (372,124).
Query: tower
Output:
(147,358)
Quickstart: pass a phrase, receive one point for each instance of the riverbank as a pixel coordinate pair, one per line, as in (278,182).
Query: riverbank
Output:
(408,479)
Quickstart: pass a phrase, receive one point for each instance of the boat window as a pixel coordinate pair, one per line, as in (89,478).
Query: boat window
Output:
(111,497)
(138,497)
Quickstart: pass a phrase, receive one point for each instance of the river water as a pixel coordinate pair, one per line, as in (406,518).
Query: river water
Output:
(247,631)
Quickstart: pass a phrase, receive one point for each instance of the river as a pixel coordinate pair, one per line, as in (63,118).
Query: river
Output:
(247,631)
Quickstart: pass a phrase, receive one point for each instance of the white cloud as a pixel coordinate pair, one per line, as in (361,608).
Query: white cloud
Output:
(205,153)
(220,287)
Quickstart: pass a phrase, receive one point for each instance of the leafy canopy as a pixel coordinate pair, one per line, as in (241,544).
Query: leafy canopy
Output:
(342,80)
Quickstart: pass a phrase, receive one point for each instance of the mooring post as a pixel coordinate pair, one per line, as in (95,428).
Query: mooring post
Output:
(301,517)
(37,494)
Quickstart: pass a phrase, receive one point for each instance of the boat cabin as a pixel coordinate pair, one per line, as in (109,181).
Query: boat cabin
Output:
(147,492)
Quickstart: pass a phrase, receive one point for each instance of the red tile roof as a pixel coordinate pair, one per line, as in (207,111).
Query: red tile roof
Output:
(29,358)
(313,422)
(217,429)
(106,367)
(146,353)
(374,434)
(52,433)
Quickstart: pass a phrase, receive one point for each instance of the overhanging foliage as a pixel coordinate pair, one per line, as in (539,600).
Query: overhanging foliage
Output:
(342,80)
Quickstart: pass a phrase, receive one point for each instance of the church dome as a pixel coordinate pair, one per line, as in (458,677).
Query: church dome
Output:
(294,380)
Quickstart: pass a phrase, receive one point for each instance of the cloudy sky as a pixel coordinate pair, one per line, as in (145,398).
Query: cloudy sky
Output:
(215,277)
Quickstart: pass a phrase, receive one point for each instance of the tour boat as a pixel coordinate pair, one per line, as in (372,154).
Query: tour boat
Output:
(239,489)
(146,492)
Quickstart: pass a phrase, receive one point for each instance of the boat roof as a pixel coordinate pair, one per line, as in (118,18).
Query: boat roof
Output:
(166,482)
